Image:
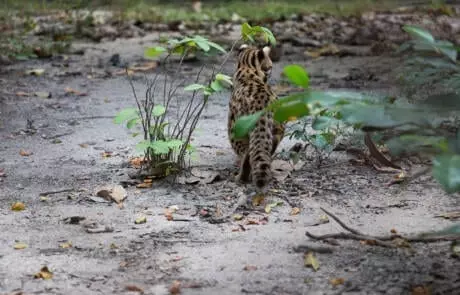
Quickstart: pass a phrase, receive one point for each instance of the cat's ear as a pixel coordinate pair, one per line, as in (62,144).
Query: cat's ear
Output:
(242,47)
(264,53)
(267,50)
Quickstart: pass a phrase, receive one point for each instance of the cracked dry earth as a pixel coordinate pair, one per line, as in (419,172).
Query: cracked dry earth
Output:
(255,255)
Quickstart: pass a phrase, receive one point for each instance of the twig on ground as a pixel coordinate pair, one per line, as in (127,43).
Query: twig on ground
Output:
(356,232)
(182,219)
(384,241)
(66,190)
(317,249)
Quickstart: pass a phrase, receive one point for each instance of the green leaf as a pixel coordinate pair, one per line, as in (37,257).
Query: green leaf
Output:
(225,80)
(384,116)
(447,49)
(446,170)
(246,32)
(323,140)
(333,97)
(323,122)
(297,75)
(291,111)
(419,33)
(217,46)
(194,87)
(208,91)
(269,36)
(131,123)
(203,45)
(175,143)
(143,145)
(216,86)
(126,115)
(158,110)
(417,143)
(160,147)
(245,124)
(154,52)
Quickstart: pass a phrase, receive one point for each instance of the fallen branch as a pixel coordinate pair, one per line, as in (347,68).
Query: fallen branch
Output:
(384,241)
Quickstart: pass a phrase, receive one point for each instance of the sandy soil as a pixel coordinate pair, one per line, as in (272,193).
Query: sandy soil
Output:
(228,258)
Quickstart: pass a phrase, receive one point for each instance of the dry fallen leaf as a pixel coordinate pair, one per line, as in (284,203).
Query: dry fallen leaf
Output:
(133,288)
(137,162)
(65,245)
(20,246)
(44,274)
(25,153)
(311,261)
(69,90)
(18,206)
(107,154)
(281,170)
(144,184)
(200,176)
(250,267)
(336,281)
(421,290)
(174,288)
(141,219)
(168,215)
(144,67)
(258,200)
(22,93)
(83,145)
(35,72)
(237,216)
(42,94)
(295,211)
(115,193)
(252,221)
(368,242)
(269,207)
(173,208)
(324,219)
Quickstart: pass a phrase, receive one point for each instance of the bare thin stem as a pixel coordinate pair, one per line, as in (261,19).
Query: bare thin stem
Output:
(138,105)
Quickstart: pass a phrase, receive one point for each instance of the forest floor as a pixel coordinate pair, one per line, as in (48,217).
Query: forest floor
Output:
(53,139)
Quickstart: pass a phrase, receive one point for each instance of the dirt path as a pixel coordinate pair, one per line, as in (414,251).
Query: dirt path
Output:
(72,132)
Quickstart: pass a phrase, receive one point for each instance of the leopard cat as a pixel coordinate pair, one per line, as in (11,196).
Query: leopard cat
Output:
(251,93)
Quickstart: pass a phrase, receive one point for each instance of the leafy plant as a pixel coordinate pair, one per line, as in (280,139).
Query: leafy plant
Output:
(167,134)
(434,64)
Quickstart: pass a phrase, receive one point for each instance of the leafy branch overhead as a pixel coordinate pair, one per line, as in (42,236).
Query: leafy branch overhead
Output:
(249,33)
(185,45)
